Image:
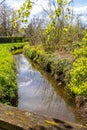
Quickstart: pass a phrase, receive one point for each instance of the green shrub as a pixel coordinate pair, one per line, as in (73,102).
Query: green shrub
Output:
(78,73)
(47,61)
(11,39)
(59,66)
(78,84)
(44,61)
(38,56)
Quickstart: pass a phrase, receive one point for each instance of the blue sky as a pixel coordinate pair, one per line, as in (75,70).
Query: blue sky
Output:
(17,3)
(80,3)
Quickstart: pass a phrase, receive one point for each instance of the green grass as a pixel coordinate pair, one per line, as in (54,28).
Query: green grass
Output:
(8,81)
(54,65)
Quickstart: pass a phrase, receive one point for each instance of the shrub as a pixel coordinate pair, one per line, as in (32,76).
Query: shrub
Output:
(47,61)
(78,83)
(78,73)
(38,56)
(11,39)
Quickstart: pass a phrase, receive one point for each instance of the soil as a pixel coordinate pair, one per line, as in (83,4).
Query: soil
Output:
(63,54)
(81,104)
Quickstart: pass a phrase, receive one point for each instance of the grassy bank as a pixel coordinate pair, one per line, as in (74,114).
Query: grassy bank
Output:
(8,81)
(54,65)
(73,74)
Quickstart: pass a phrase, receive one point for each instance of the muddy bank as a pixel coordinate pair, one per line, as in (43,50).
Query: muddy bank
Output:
(81,104)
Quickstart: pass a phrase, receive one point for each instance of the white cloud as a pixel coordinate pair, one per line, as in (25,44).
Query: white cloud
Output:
(14,3)
(40,4)
(80,10)
(38,7)
(82,13)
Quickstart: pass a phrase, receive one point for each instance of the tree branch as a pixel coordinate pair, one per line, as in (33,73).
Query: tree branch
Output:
(2,2)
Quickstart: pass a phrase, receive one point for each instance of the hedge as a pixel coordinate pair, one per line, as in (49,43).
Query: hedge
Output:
(11,39)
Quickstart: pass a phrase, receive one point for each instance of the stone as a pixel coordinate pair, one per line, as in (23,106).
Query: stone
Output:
(12,118)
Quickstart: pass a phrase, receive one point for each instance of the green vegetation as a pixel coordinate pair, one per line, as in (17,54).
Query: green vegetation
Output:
(11,39)
(74,73)
(54,65)
(62,35)
(78,73)
(52,44)
(8,82)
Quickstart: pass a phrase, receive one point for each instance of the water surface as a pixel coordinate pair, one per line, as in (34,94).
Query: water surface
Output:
(37,94)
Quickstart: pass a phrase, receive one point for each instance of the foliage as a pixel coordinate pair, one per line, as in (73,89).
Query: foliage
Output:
(78,83)
(38,56)
(47,61)
(8,82)
(78,73)
(23,13)
(61,69)
(60,30)
(59,19)
(6,28)
(59,66)
(11,39)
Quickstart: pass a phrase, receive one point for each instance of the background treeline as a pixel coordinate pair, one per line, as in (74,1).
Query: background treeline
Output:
(56,32)
(11,39)
(57,27)
(7,15)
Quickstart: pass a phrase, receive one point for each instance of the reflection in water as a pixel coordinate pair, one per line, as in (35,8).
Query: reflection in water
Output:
(37,94)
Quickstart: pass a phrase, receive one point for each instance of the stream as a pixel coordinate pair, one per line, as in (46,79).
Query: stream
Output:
(37,94)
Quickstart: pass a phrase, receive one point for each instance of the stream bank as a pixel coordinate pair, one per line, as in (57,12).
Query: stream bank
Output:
(40,94)
(8,79)
(59,71)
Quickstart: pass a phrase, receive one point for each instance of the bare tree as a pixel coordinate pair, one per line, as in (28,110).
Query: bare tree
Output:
(6,28)
(34,31)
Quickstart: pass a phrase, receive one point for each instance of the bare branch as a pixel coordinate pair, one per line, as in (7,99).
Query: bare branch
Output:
(54,4)
(2,2)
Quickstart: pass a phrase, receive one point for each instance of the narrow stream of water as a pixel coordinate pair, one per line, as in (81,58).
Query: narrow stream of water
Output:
(36,93)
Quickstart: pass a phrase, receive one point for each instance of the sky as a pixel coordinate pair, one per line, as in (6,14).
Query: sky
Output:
(80,7)
(80,3)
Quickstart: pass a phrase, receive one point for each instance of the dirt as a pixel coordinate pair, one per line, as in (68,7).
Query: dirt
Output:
(81,104)
(81,101)
(63,54)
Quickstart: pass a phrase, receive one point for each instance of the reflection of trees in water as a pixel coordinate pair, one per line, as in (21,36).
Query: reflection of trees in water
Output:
(49,99)
(19,61)
(50,102)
